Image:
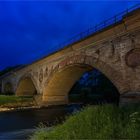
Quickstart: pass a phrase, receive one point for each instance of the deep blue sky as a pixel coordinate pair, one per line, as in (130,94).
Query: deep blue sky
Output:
(31,29)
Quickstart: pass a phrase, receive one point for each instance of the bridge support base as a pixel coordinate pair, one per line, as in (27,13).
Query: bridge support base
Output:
(129,98)
(38,99)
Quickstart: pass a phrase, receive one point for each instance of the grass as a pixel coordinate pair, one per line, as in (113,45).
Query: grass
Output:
(96,122)
(13,101)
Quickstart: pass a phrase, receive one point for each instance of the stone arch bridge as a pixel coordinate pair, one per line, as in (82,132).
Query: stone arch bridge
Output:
(115,51)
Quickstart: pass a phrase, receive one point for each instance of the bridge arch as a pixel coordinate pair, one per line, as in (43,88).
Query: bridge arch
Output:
(67,72)
(26,86)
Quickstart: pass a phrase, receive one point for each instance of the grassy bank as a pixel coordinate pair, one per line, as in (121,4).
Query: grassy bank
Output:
(96,122)
(15,101)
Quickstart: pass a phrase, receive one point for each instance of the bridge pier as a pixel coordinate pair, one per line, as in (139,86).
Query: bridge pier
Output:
(38,99)
(129,98)
(51,100)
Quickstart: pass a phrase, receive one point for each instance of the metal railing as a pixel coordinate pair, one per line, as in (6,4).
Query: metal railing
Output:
(97,28)
(90,31)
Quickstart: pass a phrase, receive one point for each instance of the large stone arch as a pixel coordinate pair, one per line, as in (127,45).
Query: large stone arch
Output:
(67,72)
(26,86)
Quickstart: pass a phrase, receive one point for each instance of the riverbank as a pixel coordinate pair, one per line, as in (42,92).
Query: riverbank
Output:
(4,109)
(11,103)
(96,122)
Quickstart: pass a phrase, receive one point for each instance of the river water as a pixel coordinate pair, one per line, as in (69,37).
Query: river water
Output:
(18,125)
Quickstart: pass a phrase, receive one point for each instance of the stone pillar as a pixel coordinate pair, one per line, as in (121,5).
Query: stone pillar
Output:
(38,99)
(129,98)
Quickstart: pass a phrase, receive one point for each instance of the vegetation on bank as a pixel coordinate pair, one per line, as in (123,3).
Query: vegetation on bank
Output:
(15,101)
(96,122)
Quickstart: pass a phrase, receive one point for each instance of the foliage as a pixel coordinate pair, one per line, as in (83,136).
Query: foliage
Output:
(97,122)
(8,93)
(6,100)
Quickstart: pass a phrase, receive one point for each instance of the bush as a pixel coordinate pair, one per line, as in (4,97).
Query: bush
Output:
(97,122)
(8,100)
(9,93)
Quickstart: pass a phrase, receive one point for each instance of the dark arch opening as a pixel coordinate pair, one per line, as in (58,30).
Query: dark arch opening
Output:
(8,89)
(62,82)
(94,88)
(26,87)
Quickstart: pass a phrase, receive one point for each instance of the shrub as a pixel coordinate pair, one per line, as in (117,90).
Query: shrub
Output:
(12,100)
(97,122)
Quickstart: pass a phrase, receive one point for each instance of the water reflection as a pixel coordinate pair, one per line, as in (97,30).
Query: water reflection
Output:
(21,124)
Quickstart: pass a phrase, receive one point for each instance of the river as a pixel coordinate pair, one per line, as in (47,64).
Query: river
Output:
(21,124)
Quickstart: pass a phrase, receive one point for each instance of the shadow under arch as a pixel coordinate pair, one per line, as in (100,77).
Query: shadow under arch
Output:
(26,87)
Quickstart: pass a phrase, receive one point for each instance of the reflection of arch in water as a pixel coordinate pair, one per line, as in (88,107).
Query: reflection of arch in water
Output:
(26,87)
(63,78)
(8,88)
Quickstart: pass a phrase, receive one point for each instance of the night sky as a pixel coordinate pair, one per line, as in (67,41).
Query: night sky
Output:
(31,29)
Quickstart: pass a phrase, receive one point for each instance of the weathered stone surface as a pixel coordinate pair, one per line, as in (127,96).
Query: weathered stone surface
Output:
(133,58)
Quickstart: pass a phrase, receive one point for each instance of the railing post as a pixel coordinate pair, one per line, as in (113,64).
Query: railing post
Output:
(95,28)
(115,19)
(88,31)
(126,11)
(104,23)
